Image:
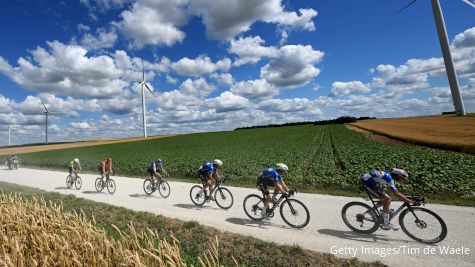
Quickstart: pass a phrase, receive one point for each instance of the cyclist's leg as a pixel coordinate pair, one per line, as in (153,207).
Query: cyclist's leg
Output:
(205,182)
(267,197)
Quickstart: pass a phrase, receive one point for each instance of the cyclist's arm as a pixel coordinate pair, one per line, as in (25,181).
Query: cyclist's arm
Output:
(402,197)
(279,187)
(284,185)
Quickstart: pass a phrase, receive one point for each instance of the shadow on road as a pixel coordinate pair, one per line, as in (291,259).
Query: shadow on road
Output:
(194,207)
(249,222)
(143,196)
(61,187)
(350,235)
(92,192)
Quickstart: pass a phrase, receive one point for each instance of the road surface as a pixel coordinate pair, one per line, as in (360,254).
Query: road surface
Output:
(326,231)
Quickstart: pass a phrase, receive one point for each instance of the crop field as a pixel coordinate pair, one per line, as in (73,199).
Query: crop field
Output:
(318,156)
(35,233)
(447,131)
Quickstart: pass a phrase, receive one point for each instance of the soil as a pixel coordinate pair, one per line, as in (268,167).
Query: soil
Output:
(377,137)
(37,148)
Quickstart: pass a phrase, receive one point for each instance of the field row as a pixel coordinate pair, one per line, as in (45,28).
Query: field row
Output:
(328,155)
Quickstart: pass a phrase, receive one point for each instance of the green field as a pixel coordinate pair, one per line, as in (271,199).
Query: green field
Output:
(326,156)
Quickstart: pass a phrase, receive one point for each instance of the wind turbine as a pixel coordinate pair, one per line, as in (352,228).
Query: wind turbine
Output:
(444,45)
(144,116)
(10,128)
(46,112)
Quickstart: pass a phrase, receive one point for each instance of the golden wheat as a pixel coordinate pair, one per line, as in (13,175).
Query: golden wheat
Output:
(36,233)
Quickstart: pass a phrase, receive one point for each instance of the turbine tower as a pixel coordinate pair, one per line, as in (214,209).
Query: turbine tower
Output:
(142,83)
(47,112)
(46,123)
(444,45)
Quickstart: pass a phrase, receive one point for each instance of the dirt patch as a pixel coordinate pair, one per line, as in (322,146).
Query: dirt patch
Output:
(377,137)
(28,149)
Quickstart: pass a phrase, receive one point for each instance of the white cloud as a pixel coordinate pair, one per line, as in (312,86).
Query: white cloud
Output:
(465,39)
(346,88)
(254,89)
(177,101)
(223,78)
(5,104)
(293,67)
(227,102)
(171,80)
(198,88)
(284,105)
(66,70)
(250,50)
(227,18)
(80,125)
(154,22)
(101,39)
(199,66)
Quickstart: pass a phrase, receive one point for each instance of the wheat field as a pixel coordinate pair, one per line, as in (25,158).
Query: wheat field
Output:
(445,131)
(36,233)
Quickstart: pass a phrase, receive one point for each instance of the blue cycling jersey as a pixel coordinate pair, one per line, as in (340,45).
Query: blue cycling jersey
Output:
(153,166)
(271,175)
(379,177)
(208,168)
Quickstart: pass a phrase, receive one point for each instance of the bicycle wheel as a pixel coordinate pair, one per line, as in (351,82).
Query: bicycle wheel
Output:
(78,182)
(224,198)
(195,196)
(164,189)
(148,186)
(423,225)
(360,217)
(253,207)
(99,184)
(294,213)
(69,181)
(111,186)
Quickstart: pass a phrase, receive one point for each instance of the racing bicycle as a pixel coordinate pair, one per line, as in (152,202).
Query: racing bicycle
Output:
(74,179)
(223,197)
(151,185)
(109,183)
(293,212)
(420,224)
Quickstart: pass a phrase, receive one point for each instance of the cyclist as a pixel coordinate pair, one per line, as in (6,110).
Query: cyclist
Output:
(373,181)
(272,177)
(105,167)
(152,169)
(74,165)
(209,175)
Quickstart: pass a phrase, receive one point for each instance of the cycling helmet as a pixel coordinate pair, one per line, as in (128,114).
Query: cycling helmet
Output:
(158,160)
(282,167)
(218,162)
(399,172)
(76,160)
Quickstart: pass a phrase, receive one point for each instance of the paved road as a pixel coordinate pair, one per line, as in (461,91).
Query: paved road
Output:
(326,231)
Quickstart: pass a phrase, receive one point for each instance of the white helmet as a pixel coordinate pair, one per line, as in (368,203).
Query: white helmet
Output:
(218,162)
(399,172)
(76,160)
(282,167)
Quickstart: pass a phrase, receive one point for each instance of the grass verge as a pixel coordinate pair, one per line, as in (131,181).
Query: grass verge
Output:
(192,236)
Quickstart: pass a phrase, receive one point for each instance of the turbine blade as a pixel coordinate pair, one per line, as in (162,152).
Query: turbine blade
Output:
(138,85)
(470,3)
(45,107)
(143,72)
(400,10)
(149,89)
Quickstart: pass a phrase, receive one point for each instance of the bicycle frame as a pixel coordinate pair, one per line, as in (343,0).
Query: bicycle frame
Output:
(376,205)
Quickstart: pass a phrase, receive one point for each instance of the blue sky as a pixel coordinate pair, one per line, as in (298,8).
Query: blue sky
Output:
(218,65)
